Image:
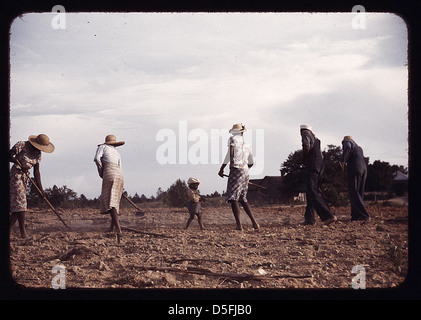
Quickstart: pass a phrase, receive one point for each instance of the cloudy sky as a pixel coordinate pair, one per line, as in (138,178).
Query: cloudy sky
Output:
(170,83)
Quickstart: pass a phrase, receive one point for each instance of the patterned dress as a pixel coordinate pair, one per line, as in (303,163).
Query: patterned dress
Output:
(238,179)
(237,185)
(28,156)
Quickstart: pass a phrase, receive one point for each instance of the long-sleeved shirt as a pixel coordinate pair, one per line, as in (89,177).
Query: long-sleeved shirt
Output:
(307,138)
(106,153)
(314,158)
(353,156)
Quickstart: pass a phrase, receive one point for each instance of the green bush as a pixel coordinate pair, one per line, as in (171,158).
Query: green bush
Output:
(176,195)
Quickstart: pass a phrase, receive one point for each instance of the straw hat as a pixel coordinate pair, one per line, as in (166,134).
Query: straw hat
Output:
(112,140)
(42,143)
(238,128)
(192,180)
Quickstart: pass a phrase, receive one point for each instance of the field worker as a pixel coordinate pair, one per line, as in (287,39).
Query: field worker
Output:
(313,163)
(240,158)
(28,154)
(194,205)
(108,162)
(356,172)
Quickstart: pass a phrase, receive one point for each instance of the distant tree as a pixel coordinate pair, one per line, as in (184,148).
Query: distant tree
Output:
(58,196)
(32,196)
(216,194)
(333,182)
(379,176)
(334,185)
(160,194)
(176,195)
(83,201)
(292,169)
(136,198)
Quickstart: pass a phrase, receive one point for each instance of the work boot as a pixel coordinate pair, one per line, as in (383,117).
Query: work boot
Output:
(330,220)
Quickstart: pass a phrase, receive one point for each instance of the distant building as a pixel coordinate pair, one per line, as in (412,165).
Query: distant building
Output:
(400,177)
(400,183)
(272,192)
(398,187)
(302,197)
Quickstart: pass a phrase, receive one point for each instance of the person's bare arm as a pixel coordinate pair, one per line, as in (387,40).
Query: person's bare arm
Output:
(230,154)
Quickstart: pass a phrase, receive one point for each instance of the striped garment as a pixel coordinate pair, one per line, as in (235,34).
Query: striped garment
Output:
(112,187)
(237,184)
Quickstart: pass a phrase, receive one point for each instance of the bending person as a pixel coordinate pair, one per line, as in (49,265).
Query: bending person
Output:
(28,154)
(108,162)
(353,161)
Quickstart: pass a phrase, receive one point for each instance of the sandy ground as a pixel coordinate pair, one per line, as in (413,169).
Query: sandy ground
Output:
(281,254)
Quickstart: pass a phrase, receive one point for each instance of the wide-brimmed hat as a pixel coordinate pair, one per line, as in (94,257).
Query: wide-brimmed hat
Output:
(112,140)
(305,126)
(237,128)
(42,143)
(192,180)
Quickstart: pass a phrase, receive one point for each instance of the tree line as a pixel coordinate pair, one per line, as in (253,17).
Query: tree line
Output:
(174,196)
(380,177)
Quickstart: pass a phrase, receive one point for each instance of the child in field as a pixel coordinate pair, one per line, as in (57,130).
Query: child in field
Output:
(194,203)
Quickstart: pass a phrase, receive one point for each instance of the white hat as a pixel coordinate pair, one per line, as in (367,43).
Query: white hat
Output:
(192,180)
(305,126)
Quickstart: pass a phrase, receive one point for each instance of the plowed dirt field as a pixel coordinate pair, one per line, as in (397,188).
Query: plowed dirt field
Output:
(157,252)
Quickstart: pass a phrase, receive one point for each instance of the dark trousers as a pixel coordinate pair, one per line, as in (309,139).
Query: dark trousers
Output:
(315,201)
(356,185)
